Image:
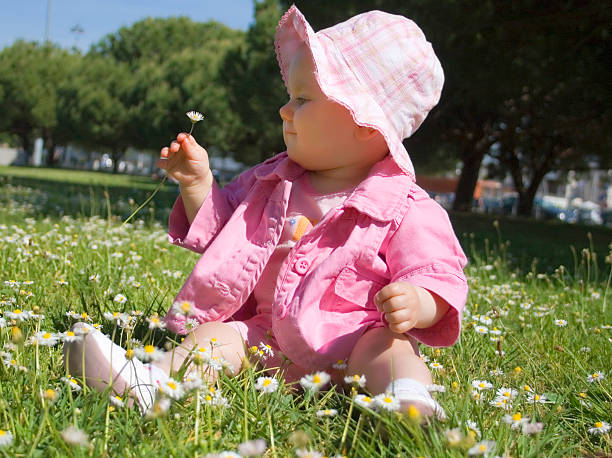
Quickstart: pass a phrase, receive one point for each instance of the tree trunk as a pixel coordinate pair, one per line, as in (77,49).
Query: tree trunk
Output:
(50,151)
(464,194)
(116,155)
(26,145)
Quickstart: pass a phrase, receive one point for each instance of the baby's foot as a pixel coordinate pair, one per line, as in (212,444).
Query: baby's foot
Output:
(104,363)
(413,393)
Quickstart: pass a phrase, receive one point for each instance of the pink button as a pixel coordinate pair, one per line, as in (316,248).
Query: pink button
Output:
(301,266)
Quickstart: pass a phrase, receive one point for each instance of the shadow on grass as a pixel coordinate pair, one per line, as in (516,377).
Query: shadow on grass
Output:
(536,245)
(53,198)
(529,245)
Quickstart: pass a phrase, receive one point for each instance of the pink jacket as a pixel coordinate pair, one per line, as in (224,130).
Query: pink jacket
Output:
(387,230)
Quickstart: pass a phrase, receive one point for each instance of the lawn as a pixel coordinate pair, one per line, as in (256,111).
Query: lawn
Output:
(530,375)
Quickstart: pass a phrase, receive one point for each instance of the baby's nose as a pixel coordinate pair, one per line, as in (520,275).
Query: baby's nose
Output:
(286,113)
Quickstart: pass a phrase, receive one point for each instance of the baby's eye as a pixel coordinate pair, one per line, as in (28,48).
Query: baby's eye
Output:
(300,100)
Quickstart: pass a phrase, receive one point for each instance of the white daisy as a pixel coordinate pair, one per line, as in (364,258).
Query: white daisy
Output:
(46,338)
(120,299)
(599,427)
(75,436)
(359,380)
(482,448)
(436,365)
(72,383)
(6,438)
(172,389)
(387,401)
(192,381)
(155,322)
(365,401)
(185,308)
(515,420)
(327,413)
(532,428)
(266,384)
(481,329)
(340,364)
(507,393)
(303,453)
(596,377)
(481,385)
(561,323)
(533,398)
(255,447)
(18,315)
(148,353)
(117,401)
(195,116)
(315,381)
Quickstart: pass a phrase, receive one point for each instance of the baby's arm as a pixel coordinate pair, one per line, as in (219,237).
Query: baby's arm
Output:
(187,162)
(407,306)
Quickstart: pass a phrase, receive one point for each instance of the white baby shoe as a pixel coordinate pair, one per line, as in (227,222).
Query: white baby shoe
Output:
(409,391)
(105,363)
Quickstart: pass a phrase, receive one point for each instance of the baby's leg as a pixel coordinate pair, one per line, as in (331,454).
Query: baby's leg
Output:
(390,362)
(228,345)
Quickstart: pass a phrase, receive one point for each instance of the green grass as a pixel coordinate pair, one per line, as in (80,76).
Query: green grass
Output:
(56,259)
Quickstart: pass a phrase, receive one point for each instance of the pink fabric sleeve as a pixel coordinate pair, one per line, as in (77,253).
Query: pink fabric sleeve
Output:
(215,211)
(425,252)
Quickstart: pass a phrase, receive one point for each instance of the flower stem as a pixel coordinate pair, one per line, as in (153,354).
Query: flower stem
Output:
(146,201)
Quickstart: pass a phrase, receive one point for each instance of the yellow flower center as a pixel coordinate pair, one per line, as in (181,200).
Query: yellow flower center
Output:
(129,354)
(598,424)
(208,397)
(517,417)
(340,361)
(70,334)
(172,385)
(84,315)
(185,307)
(46,335)
(254,349)
(582,395)
(537,397)
(413,413)
(316,379)
(149,348)
(367,399)
(267,382)
(482,447)
(388,400)
(527,388)
(518,369)
(507,394)
(481,385)
(49,394)
(595,375)
(2,432)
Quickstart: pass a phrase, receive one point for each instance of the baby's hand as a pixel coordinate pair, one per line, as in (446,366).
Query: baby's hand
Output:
(185,161)
(401,303)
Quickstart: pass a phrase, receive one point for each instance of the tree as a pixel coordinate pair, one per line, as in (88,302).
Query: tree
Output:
(101,117)
(31,77)
(491,50)
(174,66)
(255,88)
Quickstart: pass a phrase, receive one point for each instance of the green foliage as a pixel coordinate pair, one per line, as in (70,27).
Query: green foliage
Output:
(255,89)
(554,332)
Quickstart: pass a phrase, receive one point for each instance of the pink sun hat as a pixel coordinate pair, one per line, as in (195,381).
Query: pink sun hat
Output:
(378,65)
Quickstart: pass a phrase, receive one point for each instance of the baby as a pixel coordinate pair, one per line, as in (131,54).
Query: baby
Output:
(328,253)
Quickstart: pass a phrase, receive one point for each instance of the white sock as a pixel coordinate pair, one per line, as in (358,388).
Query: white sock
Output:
(408,389)
(142,379)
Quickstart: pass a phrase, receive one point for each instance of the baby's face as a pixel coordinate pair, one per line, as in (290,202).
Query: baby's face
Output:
(319,133)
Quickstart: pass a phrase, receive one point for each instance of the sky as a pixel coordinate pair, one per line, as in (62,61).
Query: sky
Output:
(27,19)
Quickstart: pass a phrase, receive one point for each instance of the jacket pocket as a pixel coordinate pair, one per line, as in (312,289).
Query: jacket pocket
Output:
(352,290)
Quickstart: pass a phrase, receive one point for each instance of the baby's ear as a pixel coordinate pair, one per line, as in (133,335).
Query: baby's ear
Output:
(364,133)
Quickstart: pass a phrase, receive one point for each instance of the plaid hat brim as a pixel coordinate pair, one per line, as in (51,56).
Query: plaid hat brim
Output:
(351,71)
